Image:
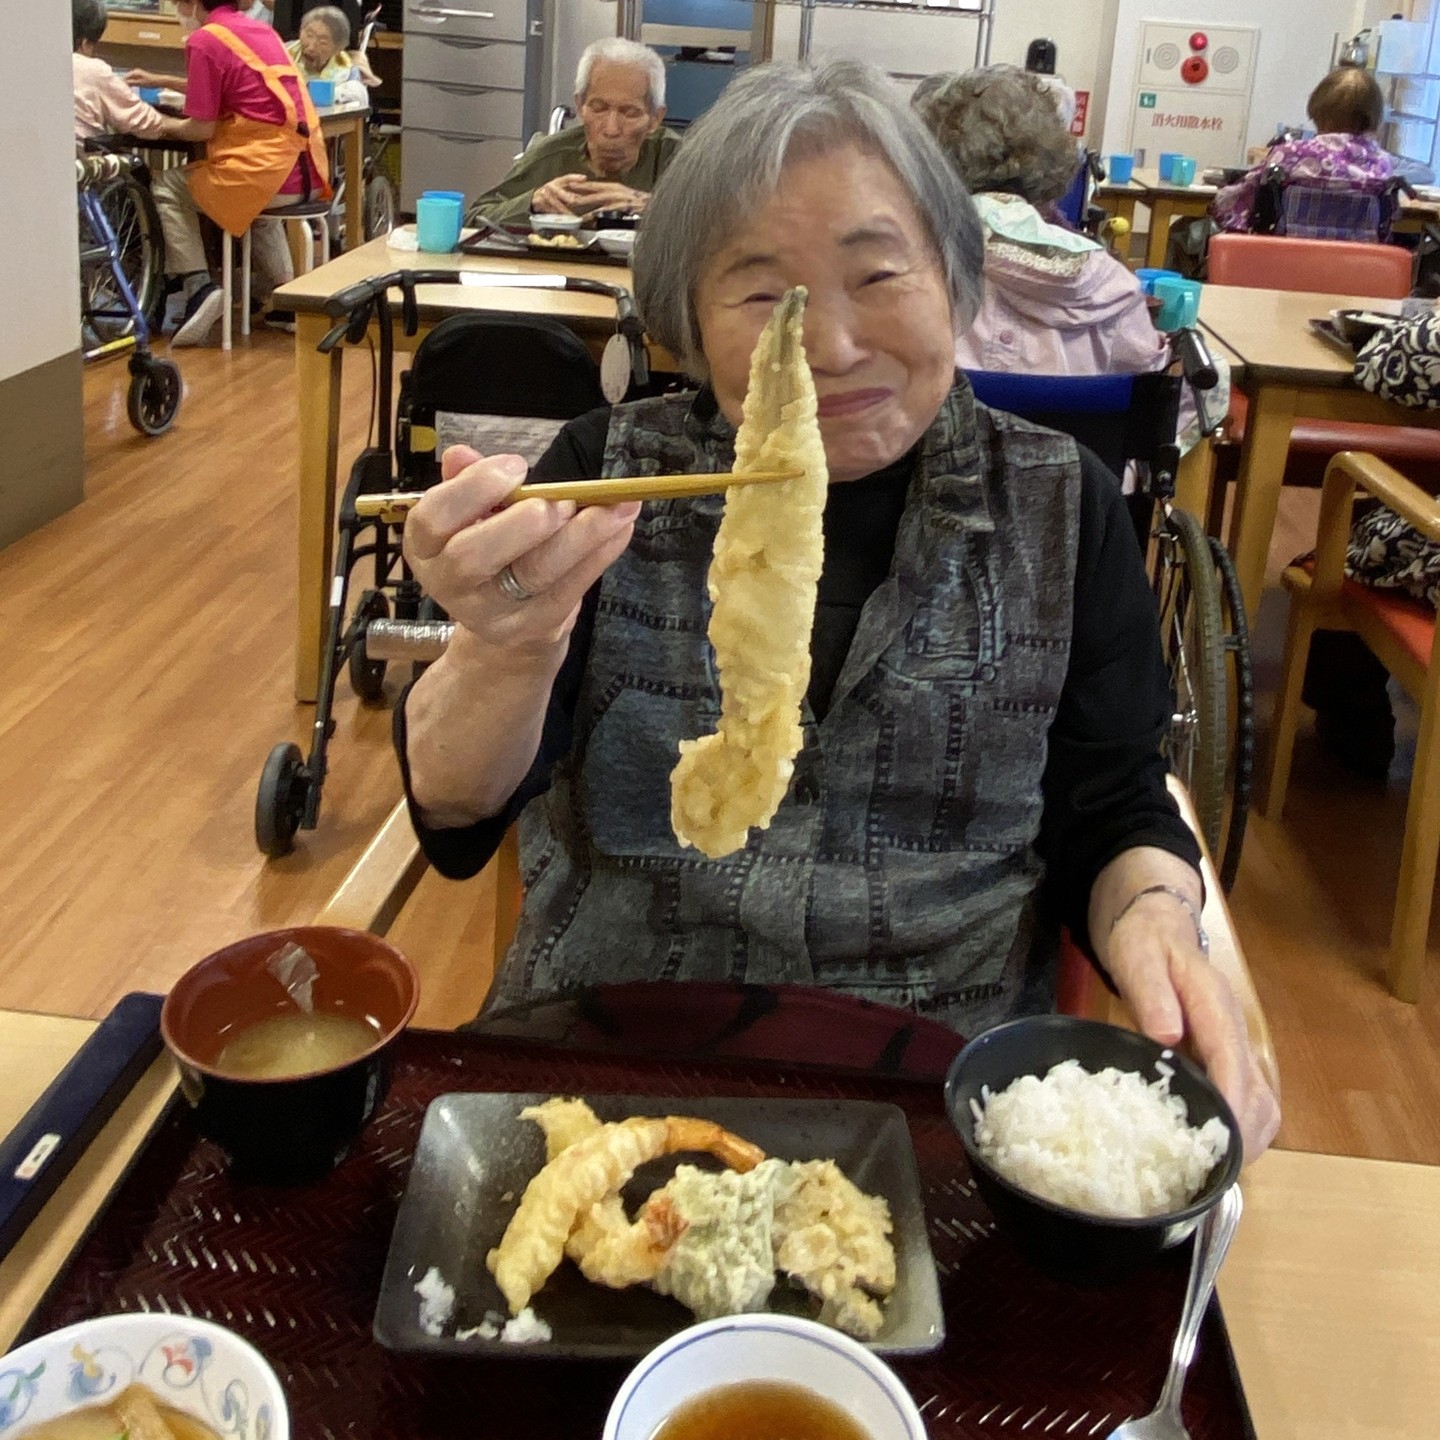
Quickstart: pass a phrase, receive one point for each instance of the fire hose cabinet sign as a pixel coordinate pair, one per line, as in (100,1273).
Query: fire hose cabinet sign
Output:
(1192,90)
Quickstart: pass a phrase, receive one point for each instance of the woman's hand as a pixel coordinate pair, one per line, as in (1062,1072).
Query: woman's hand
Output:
(459,540)
(1153,955)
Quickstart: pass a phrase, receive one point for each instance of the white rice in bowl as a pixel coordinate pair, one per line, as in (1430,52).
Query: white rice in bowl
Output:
(1106,1144)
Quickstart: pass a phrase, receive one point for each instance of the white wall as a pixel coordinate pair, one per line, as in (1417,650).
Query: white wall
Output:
(1291,59)
(39,253)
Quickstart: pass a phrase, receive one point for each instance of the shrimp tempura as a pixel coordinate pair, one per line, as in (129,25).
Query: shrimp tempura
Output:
(763,580)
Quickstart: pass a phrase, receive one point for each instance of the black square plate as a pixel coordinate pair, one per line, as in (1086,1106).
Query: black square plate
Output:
(476,1156)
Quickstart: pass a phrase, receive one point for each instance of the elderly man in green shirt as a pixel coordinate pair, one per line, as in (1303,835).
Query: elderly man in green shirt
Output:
(611,160)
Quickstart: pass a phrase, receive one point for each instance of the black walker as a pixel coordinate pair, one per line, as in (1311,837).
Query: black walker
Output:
(474,363)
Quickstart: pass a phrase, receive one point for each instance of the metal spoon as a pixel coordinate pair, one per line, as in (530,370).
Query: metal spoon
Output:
(1212,1240)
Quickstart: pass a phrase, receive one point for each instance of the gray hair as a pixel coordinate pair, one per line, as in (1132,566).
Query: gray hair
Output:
(618,51)
(334,19)
(731,163)
(1002,129)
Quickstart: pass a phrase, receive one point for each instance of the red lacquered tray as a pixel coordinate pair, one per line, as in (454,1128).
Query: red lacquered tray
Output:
(298,1272)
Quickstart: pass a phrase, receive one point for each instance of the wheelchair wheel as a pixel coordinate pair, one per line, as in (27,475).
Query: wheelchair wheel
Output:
(136,223)
(379,207)
(1242,712)
(1192,634)
(154,396)
(367,676)
(280,801)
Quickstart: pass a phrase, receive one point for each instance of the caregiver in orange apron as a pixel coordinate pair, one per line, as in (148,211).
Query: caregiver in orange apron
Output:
(245,100)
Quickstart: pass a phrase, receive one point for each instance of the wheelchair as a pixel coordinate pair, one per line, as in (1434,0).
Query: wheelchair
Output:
(122,274)
(1325,208)
(122,194)
(507,382)
(1209,742)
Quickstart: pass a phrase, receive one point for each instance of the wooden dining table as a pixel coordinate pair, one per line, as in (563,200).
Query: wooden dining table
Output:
(1288,372)
(1168,202)
(318,383)
(344,125)
(1331,1295)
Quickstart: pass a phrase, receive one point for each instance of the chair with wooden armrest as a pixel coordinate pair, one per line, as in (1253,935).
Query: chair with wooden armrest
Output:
(1402,633)
(375,890)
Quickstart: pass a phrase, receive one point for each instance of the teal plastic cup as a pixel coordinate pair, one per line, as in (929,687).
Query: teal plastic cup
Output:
(1148,276)
(437,223)
(1179,302)
(1182,172)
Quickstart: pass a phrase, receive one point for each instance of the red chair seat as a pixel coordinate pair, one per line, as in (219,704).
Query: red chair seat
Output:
(1410,621)
(1414,451)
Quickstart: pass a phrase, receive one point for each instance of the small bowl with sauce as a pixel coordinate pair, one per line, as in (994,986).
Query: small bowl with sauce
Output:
(284,1075)
(766,1377)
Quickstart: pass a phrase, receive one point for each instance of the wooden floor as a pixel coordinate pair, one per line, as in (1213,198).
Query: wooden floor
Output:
(147,673)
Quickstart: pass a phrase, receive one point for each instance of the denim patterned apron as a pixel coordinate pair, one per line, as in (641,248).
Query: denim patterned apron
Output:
(901,866)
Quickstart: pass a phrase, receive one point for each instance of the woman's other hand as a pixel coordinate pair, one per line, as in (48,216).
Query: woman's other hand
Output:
(461,539)
(1152,953)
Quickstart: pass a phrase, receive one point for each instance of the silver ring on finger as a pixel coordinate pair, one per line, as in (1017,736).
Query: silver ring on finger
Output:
(511,588)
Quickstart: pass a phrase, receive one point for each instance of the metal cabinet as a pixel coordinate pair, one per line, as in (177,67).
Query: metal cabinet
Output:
(473,76)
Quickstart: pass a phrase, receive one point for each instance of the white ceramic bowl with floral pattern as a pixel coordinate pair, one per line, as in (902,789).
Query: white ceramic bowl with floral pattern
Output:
(203,1369)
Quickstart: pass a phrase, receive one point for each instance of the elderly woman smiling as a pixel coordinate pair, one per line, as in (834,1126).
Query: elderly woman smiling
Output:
(987,694)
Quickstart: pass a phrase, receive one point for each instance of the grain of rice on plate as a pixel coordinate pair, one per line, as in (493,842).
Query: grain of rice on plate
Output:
(1108,1143)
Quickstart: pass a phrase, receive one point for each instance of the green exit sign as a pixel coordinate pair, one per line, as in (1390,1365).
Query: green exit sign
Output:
(1147,99)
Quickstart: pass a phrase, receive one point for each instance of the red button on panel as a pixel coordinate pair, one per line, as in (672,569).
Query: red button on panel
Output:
(1199,40)
(1194,70)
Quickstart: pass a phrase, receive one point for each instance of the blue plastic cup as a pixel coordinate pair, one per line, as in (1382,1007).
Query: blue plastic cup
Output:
(1120,168)
(150,94)
(437,223)
(322,92)
(1179,302)
(1167,165)
(1148,277)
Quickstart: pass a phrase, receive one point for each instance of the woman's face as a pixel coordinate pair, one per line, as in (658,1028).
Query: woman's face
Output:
(317,45)
(878,330)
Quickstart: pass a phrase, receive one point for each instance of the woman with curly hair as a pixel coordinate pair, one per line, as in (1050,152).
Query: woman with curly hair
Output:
(1056,303)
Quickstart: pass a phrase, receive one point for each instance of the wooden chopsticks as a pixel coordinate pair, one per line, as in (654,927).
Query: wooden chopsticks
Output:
(392,506)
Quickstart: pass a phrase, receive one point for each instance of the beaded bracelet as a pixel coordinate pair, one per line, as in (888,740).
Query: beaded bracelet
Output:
(1202,938)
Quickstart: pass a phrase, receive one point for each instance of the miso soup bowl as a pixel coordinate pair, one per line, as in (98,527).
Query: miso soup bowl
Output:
(1067,1243)
(777,1348)
(297,1128)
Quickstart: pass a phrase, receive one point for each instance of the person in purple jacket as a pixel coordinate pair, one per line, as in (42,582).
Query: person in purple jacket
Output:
(1347,108)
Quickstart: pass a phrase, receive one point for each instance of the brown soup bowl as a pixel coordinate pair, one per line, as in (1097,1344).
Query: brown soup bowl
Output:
(296,1128)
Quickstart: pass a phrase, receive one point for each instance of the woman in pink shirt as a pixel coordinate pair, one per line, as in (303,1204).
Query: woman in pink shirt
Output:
(263,147)
(104,103)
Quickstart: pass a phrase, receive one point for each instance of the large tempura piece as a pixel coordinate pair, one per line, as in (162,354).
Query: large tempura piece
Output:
(762,584)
